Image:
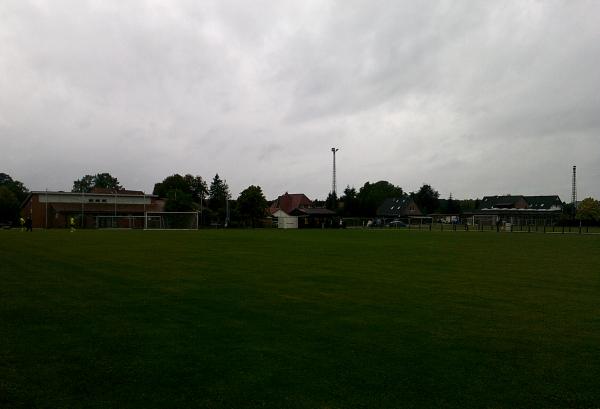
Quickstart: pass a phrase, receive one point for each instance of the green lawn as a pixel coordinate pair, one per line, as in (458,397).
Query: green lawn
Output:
(299,319)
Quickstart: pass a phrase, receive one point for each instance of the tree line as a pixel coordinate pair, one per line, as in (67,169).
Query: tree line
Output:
(185,193)
(365,201)
(12,194)
(192,193)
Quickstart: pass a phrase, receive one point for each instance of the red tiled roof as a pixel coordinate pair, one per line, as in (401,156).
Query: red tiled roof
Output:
(289,202)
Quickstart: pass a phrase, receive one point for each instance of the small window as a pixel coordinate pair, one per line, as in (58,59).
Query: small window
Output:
(97,200)
(103,200)
(91,200)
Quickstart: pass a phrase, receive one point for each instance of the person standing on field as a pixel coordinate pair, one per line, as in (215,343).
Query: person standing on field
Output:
(72,224)
(29,224)
(22,222)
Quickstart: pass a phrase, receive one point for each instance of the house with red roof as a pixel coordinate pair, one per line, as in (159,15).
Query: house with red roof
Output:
(296,210)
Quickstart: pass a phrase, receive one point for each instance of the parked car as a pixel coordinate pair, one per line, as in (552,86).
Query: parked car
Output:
(397,223)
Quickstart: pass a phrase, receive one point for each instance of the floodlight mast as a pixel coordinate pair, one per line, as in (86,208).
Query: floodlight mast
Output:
(574,190)
(334,182)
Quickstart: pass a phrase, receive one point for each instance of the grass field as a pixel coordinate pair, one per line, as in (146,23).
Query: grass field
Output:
(298,319)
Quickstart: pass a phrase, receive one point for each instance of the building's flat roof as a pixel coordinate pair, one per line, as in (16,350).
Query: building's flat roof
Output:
(101,208)
(117,193)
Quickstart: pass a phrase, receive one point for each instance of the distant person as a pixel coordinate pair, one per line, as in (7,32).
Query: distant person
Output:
(22,223)
(72,224)
(29,224)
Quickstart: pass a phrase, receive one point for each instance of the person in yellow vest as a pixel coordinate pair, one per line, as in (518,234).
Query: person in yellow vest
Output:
(72,224)
(22,222)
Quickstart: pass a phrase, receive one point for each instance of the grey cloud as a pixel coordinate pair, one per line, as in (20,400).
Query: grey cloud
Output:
(473,97)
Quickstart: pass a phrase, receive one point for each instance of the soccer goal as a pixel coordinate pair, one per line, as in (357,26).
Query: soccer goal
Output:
(120,222)
(171,221)
(482,220)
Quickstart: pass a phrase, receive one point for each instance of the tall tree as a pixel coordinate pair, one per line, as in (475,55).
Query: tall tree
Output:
(468,205)
(452,206)
(332,201)
(197,187)
(218,193)
(426,199)
(16,187)
(171,183)
(9,205)
(183,193)
(568,212)
(106,181)
(349,202)
(589,210)
(252,204)
(101,180)
(12,193)
(85,184)
(371,195)
(179,201)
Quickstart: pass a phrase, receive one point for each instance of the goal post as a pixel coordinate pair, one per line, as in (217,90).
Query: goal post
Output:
(171,220)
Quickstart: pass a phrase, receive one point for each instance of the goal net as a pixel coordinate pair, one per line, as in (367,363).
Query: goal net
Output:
(120,222)
(171,221)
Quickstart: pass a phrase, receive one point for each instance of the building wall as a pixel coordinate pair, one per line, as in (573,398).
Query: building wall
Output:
(287,222)
(411,209)
(284,220)
(35,211)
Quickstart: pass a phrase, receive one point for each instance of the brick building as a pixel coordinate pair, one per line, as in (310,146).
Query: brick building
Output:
(54,209)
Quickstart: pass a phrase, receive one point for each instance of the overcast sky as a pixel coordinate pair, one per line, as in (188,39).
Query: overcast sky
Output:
(474,97)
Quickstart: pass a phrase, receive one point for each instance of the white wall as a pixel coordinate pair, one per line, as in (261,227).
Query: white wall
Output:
(287,222)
